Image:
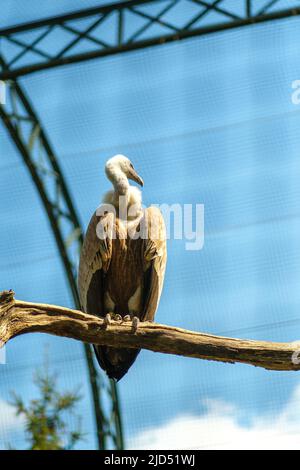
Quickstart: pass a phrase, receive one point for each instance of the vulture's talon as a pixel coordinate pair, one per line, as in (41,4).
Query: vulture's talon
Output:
(135,324)
(127,318)
(118,317)
(107,320)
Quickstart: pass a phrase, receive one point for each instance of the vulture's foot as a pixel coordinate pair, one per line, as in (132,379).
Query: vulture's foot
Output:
(107,320)
(114,316)
(135,324)
(127,318)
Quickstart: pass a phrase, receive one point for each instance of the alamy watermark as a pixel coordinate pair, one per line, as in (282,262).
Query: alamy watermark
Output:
(295,97)
(2,353)
(182,222)
(2,92)
(296,353)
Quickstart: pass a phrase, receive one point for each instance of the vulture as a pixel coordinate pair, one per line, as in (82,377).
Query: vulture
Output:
(122,262)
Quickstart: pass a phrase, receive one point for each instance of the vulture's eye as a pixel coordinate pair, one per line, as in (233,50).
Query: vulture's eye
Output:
(131,165)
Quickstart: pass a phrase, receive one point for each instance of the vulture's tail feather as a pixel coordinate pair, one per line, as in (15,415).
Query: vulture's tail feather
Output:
(115,361)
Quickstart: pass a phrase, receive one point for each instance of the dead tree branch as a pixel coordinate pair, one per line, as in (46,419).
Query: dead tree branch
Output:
(18,317)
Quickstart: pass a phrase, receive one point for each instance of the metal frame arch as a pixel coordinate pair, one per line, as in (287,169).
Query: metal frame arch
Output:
(88,27)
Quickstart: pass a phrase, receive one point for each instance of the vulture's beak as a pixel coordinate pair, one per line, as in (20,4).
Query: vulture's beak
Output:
(135,177)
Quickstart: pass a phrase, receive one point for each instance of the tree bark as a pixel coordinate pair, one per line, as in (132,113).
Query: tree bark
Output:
(18,317)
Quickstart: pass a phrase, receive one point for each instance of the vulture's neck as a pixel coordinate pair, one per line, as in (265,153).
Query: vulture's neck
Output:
(130,195)
(118,179)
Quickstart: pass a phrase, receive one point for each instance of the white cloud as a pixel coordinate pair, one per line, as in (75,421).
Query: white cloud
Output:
(219,428)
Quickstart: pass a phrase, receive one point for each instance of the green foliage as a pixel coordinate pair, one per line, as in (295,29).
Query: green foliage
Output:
(45,417)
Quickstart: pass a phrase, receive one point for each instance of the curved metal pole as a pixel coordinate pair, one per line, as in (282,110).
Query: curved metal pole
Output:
(47,176)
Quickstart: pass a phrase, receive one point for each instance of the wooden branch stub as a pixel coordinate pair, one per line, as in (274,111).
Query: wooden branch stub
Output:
(18,317)
(6,297)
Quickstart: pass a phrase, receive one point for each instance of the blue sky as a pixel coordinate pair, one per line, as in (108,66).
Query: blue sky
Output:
(207,120)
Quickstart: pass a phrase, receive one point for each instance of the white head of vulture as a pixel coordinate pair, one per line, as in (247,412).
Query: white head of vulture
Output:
(121,274)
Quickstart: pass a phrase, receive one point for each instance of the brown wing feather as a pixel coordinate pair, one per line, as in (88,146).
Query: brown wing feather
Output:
(95,256)
(155,259)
